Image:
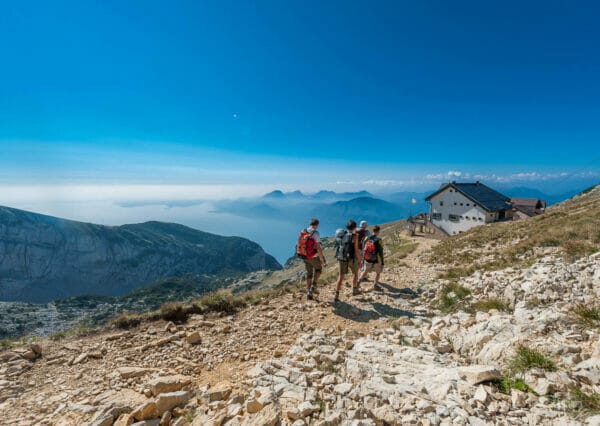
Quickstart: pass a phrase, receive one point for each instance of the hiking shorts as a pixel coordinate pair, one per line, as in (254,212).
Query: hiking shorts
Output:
(313,266)
(373,267)
(350,264)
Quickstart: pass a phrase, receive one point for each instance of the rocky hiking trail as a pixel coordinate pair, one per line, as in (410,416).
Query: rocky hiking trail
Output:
(380,358)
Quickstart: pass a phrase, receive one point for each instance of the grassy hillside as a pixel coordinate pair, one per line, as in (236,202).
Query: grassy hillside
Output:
(571,228)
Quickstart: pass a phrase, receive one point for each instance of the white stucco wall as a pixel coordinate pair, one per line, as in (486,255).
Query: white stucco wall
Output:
(450,202)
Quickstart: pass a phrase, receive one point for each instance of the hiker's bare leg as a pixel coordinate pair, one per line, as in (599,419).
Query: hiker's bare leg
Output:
(316,278)
(377,276)
(338,284)
(355,278)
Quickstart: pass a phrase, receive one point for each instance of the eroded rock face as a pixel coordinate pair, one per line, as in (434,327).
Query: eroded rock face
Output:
(43,258)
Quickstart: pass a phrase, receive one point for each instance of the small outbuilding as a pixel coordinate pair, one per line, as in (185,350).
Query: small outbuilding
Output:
(527,207)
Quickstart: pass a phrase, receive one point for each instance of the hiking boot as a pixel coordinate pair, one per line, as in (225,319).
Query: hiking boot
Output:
(313,289)
(309,293)
(377,287)
(336,298)
(355,291)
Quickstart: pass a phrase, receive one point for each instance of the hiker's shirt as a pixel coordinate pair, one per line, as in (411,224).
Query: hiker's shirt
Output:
(362,236)
(314,234)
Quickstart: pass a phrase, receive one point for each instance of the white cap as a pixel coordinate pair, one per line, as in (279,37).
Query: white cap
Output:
(339,232)
(363,224)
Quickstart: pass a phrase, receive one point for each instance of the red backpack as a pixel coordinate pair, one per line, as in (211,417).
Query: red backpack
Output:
(370,250)
(306,245)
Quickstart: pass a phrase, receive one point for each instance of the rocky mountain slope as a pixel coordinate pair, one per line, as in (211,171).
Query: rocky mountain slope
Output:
(515,340)
(44,258)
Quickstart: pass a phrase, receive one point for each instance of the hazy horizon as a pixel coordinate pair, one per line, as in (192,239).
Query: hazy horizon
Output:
(198,206)
(155,103)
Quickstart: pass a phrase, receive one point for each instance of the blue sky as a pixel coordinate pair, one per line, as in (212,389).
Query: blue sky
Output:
(398,94)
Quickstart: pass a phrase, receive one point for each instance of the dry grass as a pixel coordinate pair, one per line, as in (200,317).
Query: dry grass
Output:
(127,320)
(583,403)
(220,301)
(76,331)
(399,247)
(175,311)
(534,302)
(486,305)
(226,301)
(588,315)
(572,228)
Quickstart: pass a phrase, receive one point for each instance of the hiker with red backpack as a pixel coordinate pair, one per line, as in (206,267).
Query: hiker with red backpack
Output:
(309,249)
(349,258)
(373,255)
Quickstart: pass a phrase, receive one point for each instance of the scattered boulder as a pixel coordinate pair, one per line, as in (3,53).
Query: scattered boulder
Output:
(475,374)
(219,392)
(166,384)
(131,372)
(146,411)
(253,405)
(194,338)
(167,401)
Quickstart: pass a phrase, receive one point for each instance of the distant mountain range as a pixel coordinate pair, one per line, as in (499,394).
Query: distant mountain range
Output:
(335,208)
(43,258)
(285,212)
(322,195)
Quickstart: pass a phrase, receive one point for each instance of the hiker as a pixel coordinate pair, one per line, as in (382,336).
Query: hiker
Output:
(349,257)
(373,256)
(362,233)
(309,249)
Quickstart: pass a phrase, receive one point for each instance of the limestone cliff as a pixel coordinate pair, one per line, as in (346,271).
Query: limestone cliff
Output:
(44,258)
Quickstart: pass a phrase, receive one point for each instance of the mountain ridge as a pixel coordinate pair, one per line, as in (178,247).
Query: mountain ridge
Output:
(43,257)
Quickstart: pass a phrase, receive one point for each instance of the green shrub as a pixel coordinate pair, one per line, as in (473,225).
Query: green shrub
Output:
(526,358)
(507,383)
(451,297)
